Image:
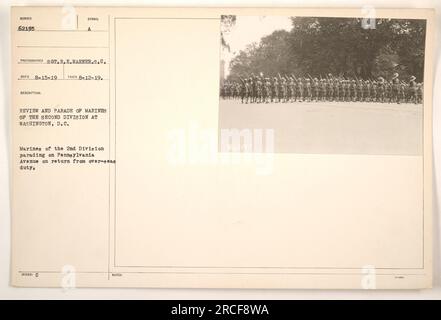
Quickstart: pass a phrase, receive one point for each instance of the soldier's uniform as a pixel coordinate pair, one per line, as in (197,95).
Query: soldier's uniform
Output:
(323,89)
(275,91)
(280,90)
(248,90)
(285,89)
(300,89)
(308,89)
(360,88)
(413,90)
(292,89)
(336,89)
(367,90)
(243,90)
(254,89)
(387,91)
(420,92)
(316,89)
(354,90)
(330,87)
(396,88)
(381,89)
(344,89)
(341,90)
(403,90)
(374,91)
(259,90)
(227,91)
(267,87)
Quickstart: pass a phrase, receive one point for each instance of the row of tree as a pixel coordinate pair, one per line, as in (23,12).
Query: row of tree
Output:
(340,46)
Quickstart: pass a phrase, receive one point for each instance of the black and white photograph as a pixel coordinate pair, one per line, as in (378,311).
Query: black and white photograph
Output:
(325,84)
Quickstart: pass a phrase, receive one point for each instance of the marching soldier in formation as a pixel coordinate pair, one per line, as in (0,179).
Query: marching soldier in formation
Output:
(292,88)
(395,88)
(413,90)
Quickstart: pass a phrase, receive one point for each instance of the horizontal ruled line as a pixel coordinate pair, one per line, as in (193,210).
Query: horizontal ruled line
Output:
(59,30)
(64,63)
(61,80)
(168,18)
(70,47)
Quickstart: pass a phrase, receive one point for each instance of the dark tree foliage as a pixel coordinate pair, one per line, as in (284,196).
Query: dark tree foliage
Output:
(341,46)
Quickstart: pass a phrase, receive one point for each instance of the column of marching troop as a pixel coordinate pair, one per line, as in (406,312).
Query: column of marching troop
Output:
(288,88)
